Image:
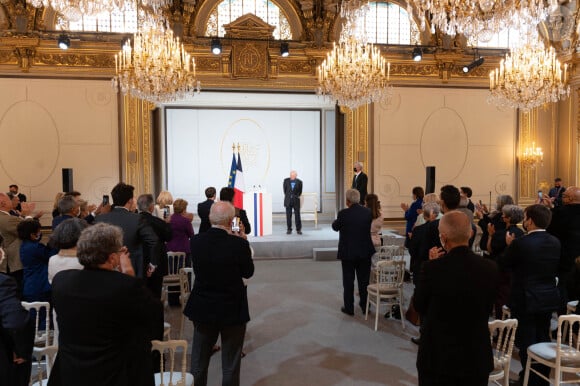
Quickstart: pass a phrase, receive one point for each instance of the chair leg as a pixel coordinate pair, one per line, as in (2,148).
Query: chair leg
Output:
(402,311)
(367,308)
(377,312)
(527,370)
(506,375)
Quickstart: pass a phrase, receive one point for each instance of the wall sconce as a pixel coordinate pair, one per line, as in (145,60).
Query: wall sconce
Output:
(532,156)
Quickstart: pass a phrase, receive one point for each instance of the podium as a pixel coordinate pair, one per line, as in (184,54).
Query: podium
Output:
(258,206)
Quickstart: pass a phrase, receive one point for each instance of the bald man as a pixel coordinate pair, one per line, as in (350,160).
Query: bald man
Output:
(292,188)
(455,277)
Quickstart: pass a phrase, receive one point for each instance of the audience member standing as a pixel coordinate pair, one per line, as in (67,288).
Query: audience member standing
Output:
(556,192)
(459,277)
(204,207)
(106,317)
(467,193)
(181,229)
(533,260)
(494,218)
(355,249)
(374,205)
(16,333)
(137,235)
(68,207)
(218,304)
(64,239)
(292,191)
(164,205)
(21,197)
(412,212)
(227,194)
(360,181)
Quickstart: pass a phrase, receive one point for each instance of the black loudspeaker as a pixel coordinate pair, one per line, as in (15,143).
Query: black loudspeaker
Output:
(67,180)
(430,179)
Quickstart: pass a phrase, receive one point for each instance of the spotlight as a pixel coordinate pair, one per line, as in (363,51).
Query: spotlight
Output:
(417,54)
(476,63)
(284,50)
(63,42)
(216,46)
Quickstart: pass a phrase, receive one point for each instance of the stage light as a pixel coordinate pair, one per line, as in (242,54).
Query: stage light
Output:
(63,42)
(417,54)
(216,46)
(284,50)
(476,63)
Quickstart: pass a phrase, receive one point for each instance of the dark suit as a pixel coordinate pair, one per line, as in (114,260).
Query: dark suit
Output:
(292,201)
(137,236)
(533,260)
(59,219)
(203,213)
(16,335)
(360,183)
(164,234)
(106,322)
(459,280)
(218,304)
(355,248)
(244,219)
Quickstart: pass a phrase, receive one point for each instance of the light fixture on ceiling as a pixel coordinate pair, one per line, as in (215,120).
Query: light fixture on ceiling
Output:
(156,67)
(63,42)
(354,73)
(216,46)
(284,49)
(529,76)
(417,54)
(480,18)
(74,10)
(476,63)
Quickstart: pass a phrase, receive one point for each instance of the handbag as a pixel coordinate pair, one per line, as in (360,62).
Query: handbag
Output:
(412,315)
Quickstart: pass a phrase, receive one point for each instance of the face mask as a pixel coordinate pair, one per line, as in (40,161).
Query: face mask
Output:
(524,225)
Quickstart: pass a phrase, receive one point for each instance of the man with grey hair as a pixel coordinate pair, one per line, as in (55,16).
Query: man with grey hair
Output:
(218,305)
(68,207)
(458,277)
(292,188)
(431,211)
(355,248)
(360,181)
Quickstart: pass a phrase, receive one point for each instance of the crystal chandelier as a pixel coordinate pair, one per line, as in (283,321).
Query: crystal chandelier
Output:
(73,10)
(528,77)
(354,73)
(481,18)
(532,156)
(156,68)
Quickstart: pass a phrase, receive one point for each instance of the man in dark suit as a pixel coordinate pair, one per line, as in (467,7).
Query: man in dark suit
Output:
(360,181)
(162,229)
(455,350)
(533,260)
(355,248)
(14,190)
(204,207)
(137,235)
(68,207)
(292,188)
(227,194)
(218,304)
(106,317)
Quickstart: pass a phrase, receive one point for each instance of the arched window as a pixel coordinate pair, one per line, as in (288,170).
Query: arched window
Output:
(229,10)
(388,23)
(117,21)
(506,38)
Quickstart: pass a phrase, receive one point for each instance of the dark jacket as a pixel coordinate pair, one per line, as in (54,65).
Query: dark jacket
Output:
(203,209)
(360,183)
(459,280)
(292,197)
(219,296)
(35,256)
(354,225)
(164,233)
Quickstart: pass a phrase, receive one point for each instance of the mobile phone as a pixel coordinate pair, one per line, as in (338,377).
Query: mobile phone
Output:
(480,203)
(235,225)
(540,194)
(165,212)
(105,200)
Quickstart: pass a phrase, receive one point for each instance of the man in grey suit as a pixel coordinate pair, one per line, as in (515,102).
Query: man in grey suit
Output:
(137,234)
(292,191)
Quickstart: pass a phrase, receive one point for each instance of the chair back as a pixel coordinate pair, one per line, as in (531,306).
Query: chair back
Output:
(567,344)
(167,350)
(41,337)
(49,354)
(390,252)
(175,261)
(189,272)
(184,288)
(390,273)
(504,334)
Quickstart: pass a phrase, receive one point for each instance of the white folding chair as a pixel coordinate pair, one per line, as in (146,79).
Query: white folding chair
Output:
(166,331)
(571,307)
(506,313)
(185,291)
(175,261)
(388,288)
(49,354)
(563,355)
(172,377)
(41,337)
(504,334)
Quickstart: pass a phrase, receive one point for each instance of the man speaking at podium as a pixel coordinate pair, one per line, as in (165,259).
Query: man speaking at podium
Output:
(292,191)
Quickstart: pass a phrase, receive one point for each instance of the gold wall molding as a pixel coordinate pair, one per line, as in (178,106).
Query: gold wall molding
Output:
(356,144)
(527,176)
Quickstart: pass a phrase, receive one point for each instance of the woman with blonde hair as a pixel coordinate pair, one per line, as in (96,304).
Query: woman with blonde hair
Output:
(373,203)
(55,211)
(164,207)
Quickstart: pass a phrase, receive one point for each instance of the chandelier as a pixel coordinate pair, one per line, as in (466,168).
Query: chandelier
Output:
(528,77)
(480,18)
(156,68)
(532,156)
(74,10)
(354,73)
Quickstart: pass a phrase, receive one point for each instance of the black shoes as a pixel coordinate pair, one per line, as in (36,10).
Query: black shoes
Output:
(289,231)
(396,311)
(417,341)
(299,232)
(345,311)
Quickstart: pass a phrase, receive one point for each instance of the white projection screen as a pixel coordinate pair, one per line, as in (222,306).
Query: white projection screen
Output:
(272,143)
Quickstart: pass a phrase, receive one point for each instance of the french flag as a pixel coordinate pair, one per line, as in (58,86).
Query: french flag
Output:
(239,185)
